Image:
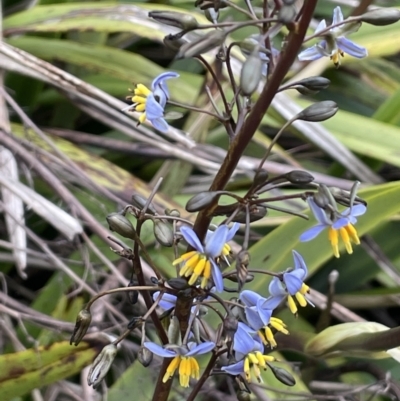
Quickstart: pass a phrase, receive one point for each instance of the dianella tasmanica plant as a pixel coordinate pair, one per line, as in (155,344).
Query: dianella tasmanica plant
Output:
(210,254)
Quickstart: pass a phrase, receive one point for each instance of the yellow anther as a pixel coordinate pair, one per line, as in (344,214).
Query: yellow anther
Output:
(206,274)
(142,90)
(184,257)
(270,337)
(171,368)
(292,305)
(334,239)
(301,299)
(352,233)
(304,289)
(346,239)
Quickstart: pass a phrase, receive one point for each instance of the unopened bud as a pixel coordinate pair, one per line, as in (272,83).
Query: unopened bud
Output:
(211,14)
(202,45)
(381,16)
(299,177)
(257,212)
(260,178)
(196,331)
(286,14)
(178,283)
(81,326)
(235,279)
(320,111)
(172,212)
(230,325)
(282,375)
(243,395)
(145,356)
(201,200)
(173,42)
(101,365)
(251,73)
(133,295)
(311,85)
(140,203)
(121,225)
(171,18)
(324,197)
(174,334)
(163,233)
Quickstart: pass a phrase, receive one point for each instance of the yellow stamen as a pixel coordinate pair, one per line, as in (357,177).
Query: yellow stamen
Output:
(142,90)
(246,368)
(278,325)
(304,289)
(195,368)
(206,274)
(346,239)
(142,118)
(171,368)
(189,265)
(183,258)
(260,359)
(226,250)
(352,233)
(334,239)
(270,337)
(198,270)
(140,107)
(139,99)
(292,305)
(184,372)
(301,299)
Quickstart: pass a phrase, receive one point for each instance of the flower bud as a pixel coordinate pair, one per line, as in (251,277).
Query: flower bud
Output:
(202,45)
(81,326)
(212,14)
(243,395)
(299,177)
(201,200)
(140,203)
(145,356)
(320,111)
(381,16)
(260,178)
(172,18)
(235,279)
(178,283)
(101,365)
(172,212)
(257,212)
(133,295)
(251,73)
(230,325)
(242,262)
(174,42)
(283,375)
(286,14)
(311,85)
(121,225)
(163,233)
(174,334)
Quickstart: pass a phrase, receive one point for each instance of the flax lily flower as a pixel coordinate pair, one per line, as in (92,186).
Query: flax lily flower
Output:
(249,353)
(340,223)
(151,103)
(334,44)
(183,358)
(260,318)
(291,286)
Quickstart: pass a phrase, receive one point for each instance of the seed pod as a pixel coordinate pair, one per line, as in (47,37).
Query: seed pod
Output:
(251,73)
(282,375)
(202,45)
(163,233)
(171,18)
(299,177)
(145,356)
(381,16)
(140,203)
(201,200)
(121,225)
(81,326)
(320,111)
(101,365)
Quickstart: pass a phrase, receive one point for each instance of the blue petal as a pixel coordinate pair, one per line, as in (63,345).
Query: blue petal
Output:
(311,53)
(358,210)
(299,263)
(342,222)
(216,241)
(337,16)
(158,350)
(167,301)
(232,232)
(160,124)
(201,349)
(159,87)
(312,233)
(242,341)
(264,312)
(191,238)
(293,283)
(249,298)
(217,277)
(153,109)
(273,301)
(253,318)
(235,369)
(275,287)
(321,26)
(351,48)
(318,213)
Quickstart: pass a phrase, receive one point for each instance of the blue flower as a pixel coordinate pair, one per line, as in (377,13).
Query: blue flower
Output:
(183,357)
(201,262)
(249,354)
(259,317)
(336,223)
(291,285)
(335,44)
(152,102)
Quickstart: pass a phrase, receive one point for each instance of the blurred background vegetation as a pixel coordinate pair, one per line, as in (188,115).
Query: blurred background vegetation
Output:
(67,67)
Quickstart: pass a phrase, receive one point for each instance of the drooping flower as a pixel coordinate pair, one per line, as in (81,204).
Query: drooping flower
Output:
(183,358)
(202,261)
(291,286)
(336,223)
(151,103)
(260,317)
(334,44)
(226,249)
(249,354)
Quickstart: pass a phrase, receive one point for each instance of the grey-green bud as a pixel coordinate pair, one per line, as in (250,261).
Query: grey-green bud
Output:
(145,356)
(257,212)
(230,325)
(178,283)
(81,326)
(101,365)
(174,334)
(212,14)
(283,375)
(133,295)
(251,73)
(311,85)
(320,111)
(173,212)
(202,45)
(173,42)
(140,203)
(286,14)
(121,225)
(172,18)
(381,16)
(299,177)
(243,395)
(163,233)
(201,200)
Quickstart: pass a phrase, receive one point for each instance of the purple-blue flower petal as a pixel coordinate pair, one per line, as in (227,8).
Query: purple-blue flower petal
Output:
(234,369)
(299,263)
(201,349)
(243,341)
(358,210)
(160,124)
(153,109)
(167,301)
(253,318)
(159,87)
(158,350)
(273,301)
(276,288)
(232,231)
(351,48)
(191,238)
(312,233)
(311,53)
(337,16)
(249,298)
(216,241)
(217,277)
(293,283)
(318,212)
